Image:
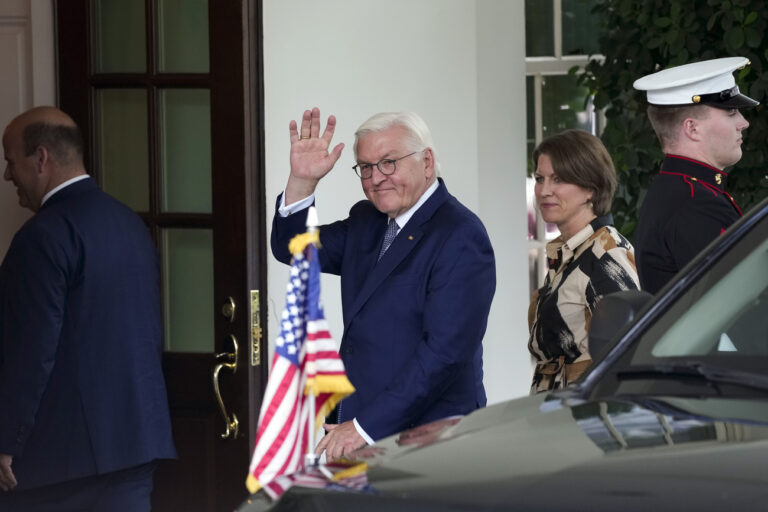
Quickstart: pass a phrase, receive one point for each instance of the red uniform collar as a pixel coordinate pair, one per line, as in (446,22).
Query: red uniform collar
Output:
(691,171)
(696,169)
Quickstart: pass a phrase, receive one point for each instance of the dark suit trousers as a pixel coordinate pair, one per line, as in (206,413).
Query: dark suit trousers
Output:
(127,490)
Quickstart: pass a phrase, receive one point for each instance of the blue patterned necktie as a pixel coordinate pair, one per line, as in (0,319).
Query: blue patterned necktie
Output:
(389,236)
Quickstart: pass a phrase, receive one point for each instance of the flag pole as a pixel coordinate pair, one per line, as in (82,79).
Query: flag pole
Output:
(311,459)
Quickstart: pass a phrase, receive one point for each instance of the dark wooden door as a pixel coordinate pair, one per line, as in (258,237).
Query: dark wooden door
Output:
(169,95)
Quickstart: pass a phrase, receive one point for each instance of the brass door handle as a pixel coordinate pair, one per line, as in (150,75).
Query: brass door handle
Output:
(228,361)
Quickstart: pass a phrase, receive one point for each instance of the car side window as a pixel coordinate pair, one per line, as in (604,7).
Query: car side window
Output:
(731,316)
(748,333)
(722,317)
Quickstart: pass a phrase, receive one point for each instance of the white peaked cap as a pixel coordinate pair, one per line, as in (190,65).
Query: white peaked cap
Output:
(709,82)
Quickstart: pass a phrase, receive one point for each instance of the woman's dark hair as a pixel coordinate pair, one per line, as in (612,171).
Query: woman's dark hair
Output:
(580,158)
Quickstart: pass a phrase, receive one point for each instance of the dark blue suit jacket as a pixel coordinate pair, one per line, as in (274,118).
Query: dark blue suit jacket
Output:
(81,385)
(414,321)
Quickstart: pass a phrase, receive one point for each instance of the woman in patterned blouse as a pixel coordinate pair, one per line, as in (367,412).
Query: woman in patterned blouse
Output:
(575,182)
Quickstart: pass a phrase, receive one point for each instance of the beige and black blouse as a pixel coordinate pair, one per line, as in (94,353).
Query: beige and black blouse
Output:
(594,262)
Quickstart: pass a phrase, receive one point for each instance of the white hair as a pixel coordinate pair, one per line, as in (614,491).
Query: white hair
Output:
(418,138)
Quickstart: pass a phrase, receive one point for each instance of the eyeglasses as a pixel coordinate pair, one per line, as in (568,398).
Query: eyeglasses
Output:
(386,166)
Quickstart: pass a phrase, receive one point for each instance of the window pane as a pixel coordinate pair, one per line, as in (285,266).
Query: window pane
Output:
(530,100)
(185,150)
(563,105)
(539,31)
(123,145)
(182,36)
(188,289)
(580,28)
(119,37)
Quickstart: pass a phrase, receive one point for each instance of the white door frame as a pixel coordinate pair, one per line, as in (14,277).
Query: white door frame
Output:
(27,59)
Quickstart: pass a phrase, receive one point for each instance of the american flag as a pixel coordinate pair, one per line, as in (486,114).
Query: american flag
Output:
(305,359)
(338,475)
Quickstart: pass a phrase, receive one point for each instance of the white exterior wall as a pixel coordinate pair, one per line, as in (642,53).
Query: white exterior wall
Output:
(460,65)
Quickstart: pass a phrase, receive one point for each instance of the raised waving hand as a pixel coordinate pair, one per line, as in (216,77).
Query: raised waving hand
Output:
(311,159)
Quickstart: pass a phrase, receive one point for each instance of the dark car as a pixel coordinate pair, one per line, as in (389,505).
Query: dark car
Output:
(672,415)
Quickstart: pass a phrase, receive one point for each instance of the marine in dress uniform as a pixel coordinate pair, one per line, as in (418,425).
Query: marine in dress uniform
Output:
(687,205)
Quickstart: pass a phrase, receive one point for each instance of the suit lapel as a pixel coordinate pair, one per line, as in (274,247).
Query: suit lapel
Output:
(369,252)
(406,240)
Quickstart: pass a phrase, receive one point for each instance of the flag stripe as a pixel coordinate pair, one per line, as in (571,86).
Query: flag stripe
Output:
(306,366)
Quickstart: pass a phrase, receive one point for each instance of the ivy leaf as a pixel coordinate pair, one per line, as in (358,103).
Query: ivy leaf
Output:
(656,42)
(757,90)
(631,159)
(662,22)
(628,228)
(751,17)
(753,36)
(601,99)
(726,23)
(626,8)
(675,10)
(694,44)
(712,20)
(735,38)
(671,36)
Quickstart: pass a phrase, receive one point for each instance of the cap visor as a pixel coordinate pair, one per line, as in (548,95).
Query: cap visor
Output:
(738,101)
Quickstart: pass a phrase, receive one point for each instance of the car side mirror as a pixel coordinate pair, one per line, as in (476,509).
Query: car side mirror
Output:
(612,314)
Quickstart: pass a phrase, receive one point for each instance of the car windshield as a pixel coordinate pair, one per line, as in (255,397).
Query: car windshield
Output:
(718,329)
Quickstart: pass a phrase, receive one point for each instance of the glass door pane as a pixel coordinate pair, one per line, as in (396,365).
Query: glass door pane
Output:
(182,28)
(119,36)
(188,289)
(185,150)
(121,128)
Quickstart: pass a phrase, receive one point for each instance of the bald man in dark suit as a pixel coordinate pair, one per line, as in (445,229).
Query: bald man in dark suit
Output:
(83,405)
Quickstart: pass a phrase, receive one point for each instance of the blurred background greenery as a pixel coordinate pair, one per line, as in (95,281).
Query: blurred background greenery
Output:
(606,45)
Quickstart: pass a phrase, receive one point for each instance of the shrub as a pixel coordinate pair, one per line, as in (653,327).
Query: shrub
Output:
(640,37)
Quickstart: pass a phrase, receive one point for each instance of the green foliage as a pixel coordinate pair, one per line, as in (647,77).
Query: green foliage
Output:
(640,37)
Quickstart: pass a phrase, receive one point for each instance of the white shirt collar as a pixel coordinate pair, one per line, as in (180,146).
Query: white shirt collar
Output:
(403,218)
(61,186)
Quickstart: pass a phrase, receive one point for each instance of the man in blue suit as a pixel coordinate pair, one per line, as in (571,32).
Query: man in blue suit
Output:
(417,278)
(83,406)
